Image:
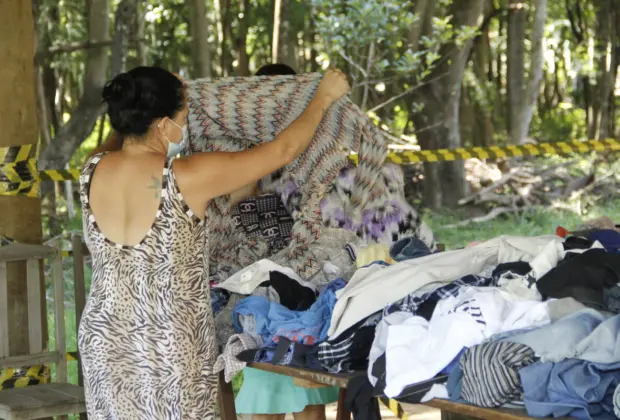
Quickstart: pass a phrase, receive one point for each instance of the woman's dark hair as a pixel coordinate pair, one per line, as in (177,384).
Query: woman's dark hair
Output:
(275,70)
(137,98)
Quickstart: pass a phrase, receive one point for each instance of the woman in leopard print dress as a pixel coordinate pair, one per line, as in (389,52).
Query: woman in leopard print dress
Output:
(146,338)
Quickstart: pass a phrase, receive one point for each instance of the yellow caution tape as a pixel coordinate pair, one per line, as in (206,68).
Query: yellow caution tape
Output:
(19,174)
(405,157)
(395,408)
(23,377)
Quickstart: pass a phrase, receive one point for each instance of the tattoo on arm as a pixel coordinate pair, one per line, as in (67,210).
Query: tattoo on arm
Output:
(156,186)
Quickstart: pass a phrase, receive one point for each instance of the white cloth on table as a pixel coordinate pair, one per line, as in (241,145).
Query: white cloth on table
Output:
(380,342)
(370,291)
(417,349)
(245,281)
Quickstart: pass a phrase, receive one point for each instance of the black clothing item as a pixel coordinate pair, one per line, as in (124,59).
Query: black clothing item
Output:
(361,401)
(292,295)
(583,277)
(286,353)
(426,309)
(413,393)
(360,348)
(577,242)
(519,267)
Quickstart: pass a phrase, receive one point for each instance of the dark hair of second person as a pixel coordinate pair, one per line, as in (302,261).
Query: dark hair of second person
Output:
(276,69)
(141,96)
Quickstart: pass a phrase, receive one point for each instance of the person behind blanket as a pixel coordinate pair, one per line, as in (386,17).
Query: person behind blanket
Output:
(266,395)
(146,338)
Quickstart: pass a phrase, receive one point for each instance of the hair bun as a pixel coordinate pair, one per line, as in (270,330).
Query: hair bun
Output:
(120,92)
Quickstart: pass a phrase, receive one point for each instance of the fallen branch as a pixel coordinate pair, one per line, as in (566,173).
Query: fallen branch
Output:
(496,212)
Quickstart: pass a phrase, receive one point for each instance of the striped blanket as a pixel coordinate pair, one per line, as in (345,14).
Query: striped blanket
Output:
(233,114)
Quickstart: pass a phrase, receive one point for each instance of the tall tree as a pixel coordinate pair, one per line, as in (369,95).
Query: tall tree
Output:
(522,94)
(438,120)
(199,28)
(606,42)
(278,8)
(243,59)
(85,115)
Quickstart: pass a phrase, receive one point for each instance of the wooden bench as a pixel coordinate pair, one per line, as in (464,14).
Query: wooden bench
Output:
(45,400)
(449,410)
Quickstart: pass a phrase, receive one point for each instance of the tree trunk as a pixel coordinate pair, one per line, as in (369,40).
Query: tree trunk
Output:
(517,19)
(89,108)
(483,107)
(139,36)
(243,60)
(605,52)
(217,8)
(423,9)
(21,216)
(438,122)
(226,58)
(522,97)
(288,36)
(199,29)
(278,7)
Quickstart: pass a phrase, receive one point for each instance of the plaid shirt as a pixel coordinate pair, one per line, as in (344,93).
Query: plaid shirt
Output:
(413,302)
(335,355)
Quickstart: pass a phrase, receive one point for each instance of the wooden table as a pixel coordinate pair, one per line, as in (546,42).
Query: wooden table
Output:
(449,409)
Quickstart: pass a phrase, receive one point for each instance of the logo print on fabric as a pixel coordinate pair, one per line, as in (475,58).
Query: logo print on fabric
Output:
(271,232)
(470,308)
(252,228)
(247,207)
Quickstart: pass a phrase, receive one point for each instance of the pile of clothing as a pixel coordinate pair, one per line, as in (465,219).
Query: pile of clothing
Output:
(530,322)
(338,273)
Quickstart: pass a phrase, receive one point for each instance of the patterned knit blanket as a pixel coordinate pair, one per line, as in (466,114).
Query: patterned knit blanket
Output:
(233,114)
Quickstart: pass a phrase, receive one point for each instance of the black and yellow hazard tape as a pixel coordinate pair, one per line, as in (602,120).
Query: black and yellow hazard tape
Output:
(17,153)
(394,407)
(29,375)
(405,157)
(23,377)
(59,175)
(19,174)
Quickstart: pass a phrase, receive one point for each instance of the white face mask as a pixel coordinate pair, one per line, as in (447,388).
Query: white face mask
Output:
(176,148)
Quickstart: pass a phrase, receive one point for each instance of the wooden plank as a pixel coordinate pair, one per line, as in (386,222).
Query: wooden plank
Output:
(326,378)
(471,411)
(59,315)
(79,282)
(35,315)
(23,252)
(342,413)
(39,401)
(4,312)
(78,276)
(29,360)
(461,410)
(226,399)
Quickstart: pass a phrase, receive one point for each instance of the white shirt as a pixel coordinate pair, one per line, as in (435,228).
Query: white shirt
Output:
(417,350)
(370,291)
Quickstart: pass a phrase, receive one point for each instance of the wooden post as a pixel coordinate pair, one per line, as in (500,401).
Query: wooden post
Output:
(20,217)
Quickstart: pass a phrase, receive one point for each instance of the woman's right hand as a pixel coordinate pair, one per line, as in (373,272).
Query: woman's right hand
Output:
(333,86)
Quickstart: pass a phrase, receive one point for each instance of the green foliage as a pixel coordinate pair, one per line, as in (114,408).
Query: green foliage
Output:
(564,124)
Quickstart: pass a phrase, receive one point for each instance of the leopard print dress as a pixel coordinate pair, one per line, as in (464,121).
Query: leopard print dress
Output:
(147,338)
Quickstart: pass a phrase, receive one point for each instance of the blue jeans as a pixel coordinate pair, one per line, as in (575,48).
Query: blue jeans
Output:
(571,332)
(573,388)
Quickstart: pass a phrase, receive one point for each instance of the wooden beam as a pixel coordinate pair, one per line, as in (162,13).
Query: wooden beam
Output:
(21,216)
